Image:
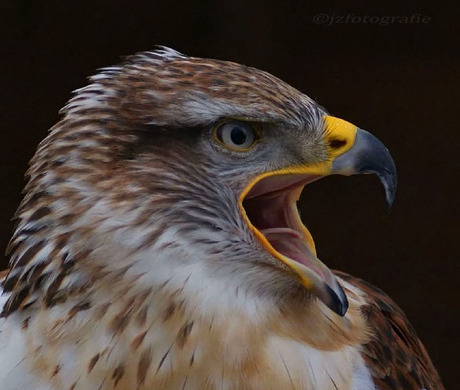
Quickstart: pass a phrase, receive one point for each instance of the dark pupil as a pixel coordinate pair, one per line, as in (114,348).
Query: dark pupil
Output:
(238,136)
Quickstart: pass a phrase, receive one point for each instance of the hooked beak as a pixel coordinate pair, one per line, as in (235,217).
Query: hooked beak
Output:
(268,205)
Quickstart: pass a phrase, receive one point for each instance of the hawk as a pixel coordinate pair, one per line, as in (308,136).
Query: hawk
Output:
(159,246)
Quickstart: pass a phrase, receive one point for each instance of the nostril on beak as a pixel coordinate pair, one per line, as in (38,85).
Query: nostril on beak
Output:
(337,143)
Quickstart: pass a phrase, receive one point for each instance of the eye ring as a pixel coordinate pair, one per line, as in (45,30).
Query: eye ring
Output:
(236,135)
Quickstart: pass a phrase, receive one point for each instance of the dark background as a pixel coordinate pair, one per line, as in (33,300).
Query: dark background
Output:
(398,81)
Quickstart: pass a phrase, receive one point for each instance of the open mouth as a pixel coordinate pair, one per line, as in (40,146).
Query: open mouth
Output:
(269,207)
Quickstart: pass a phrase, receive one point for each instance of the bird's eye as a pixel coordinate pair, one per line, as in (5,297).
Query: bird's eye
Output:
(236,135)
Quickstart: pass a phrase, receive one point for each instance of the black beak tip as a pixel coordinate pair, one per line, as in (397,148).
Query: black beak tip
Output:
(338,302)
(389,181)
(369,155)
(374,157)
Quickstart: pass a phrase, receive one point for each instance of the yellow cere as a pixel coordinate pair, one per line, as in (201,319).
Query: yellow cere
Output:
(339,130)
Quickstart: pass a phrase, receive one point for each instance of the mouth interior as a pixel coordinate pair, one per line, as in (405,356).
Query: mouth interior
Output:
(270,206)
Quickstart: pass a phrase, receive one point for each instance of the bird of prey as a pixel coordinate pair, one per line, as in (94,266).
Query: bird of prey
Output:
(159,246)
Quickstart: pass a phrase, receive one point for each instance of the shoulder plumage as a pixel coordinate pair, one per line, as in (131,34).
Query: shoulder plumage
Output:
(394,355)
(2,296)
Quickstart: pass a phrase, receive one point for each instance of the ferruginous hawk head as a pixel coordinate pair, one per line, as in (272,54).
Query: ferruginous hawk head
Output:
(158,245)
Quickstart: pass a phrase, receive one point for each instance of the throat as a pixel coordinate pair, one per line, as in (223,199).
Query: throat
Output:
(161,343)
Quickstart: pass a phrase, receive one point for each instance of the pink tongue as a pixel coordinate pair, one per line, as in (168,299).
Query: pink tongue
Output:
(280,233)
(289,242)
